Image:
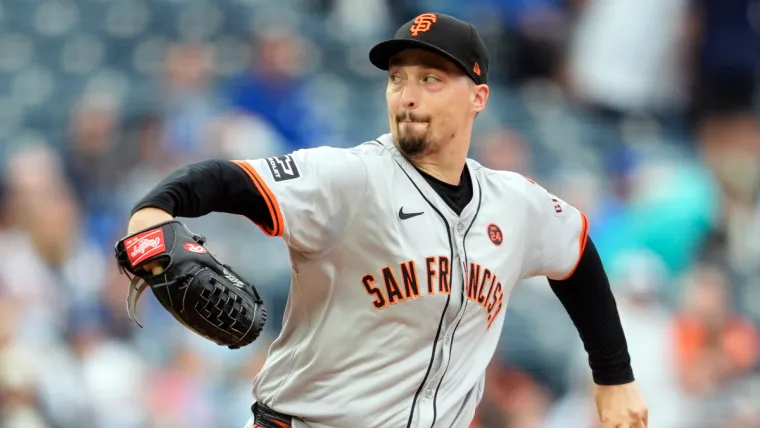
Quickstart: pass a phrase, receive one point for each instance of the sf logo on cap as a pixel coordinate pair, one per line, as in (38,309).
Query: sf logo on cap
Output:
(423,23)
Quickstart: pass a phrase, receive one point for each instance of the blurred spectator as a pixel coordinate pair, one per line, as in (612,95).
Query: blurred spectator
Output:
(178,129)
(178,397)
(360,21)
(726,65)
(731,405)
(512,399)
(94,160)
(273,89)
(505,150)
(535,39)
(715,345)
(725,61)
(61,265)
(724,118)
(19,403)
(188,101)
(113,375)
(628,55)
(3,204)
(664,203)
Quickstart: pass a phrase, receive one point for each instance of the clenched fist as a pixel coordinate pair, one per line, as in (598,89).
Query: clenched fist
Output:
(621,406)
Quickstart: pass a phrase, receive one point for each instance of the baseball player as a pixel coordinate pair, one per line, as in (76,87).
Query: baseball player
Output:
(404,255)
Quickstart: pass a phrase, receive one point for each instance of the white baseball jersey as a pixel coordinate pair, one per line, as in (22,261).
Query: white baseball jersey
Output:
(397,302)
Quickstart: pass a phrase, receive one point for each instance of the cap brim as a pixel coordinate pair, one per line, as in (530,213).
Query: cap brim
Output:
(381,54)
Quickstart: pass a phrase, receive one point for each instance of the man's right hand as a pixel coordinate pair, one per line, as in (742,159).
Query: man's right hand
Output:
(144,219)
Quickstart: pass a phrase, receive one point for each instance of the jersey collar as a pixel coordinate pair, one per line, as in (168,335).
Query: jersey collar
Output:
(469,211)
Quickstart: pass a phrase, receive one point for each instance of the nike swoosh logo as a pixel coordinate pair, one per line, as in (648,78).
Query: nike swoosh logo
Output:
(403,216)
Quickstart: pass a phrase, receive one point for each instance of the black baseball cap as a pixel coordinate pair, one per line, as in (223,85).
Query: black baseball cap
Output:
(443,34)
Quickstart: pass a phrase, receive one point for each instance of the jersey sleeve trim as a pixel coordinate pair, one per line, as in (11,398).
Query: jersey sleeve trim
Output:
(581,244)
(269,198)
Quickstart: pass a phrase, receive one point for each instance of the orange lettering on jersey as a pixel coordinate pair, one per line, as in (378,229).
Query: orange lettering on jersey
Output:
(431,273)
(472,284)
(492,300)
(486,278)
(391,286)
(482,286)
(444,285)
(484,289)
(408,288)
(495,307)
(367,281)
(409,274)
(491,290)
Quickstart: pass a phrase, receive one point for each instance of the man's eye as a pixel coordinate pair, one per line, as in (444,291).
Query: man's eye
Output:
(432,79)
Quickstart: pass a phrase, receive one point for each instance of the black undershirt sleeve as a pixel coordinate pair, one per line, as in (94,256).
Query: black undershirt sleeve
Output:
(208,186)
(588,299)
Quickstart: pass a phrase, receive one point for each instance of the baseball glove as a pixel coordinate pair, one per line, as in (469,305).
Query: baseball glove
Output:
(203,294)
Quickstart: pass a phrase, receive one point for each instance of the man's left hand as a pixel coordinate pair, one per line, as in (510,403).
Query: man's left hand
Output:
(621,406)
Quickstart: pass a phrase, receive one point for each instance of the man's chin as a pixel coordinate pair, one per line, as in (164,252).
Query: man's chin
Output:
(412,147)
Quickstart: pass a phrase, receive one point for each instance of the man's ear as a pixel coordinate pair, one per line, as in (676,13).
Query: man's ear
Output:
(479,97)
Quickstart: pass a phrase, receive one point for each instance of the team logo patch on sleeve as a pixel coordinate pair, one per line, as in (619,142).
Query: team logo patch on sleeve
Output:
(283,168)
(557,205)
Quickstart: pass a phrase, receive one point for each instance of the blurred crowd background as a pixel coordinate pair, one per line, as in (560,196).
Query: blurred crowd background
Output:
(642,113)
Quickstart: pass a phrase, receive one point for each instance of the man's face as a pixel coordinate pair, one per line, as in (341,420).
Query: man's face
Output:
(429,101)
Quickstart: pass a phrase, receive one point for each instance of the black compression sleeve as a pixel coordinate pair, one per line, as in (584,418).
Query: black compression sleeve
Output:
(588,299)
(209,186)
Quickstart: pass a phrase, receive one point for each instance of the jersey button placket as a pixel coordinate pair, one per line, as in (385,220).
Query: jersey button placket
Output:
(429,393)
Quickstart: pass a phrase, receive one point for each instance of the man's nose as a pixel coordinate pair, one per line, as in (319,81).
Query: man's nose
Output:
(410,97)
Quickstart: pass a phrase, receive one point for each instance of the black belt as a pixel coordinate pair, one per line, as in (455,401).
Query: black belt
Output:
(264,417)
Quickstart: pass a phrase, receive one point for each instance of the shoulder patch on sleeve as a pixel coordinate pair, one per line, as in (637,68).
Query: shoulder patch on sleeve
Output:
(557,204)
(283,168)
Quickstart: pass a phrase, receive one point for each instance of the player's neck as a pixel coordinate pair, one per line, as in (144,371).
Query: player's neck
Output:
(446,164)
